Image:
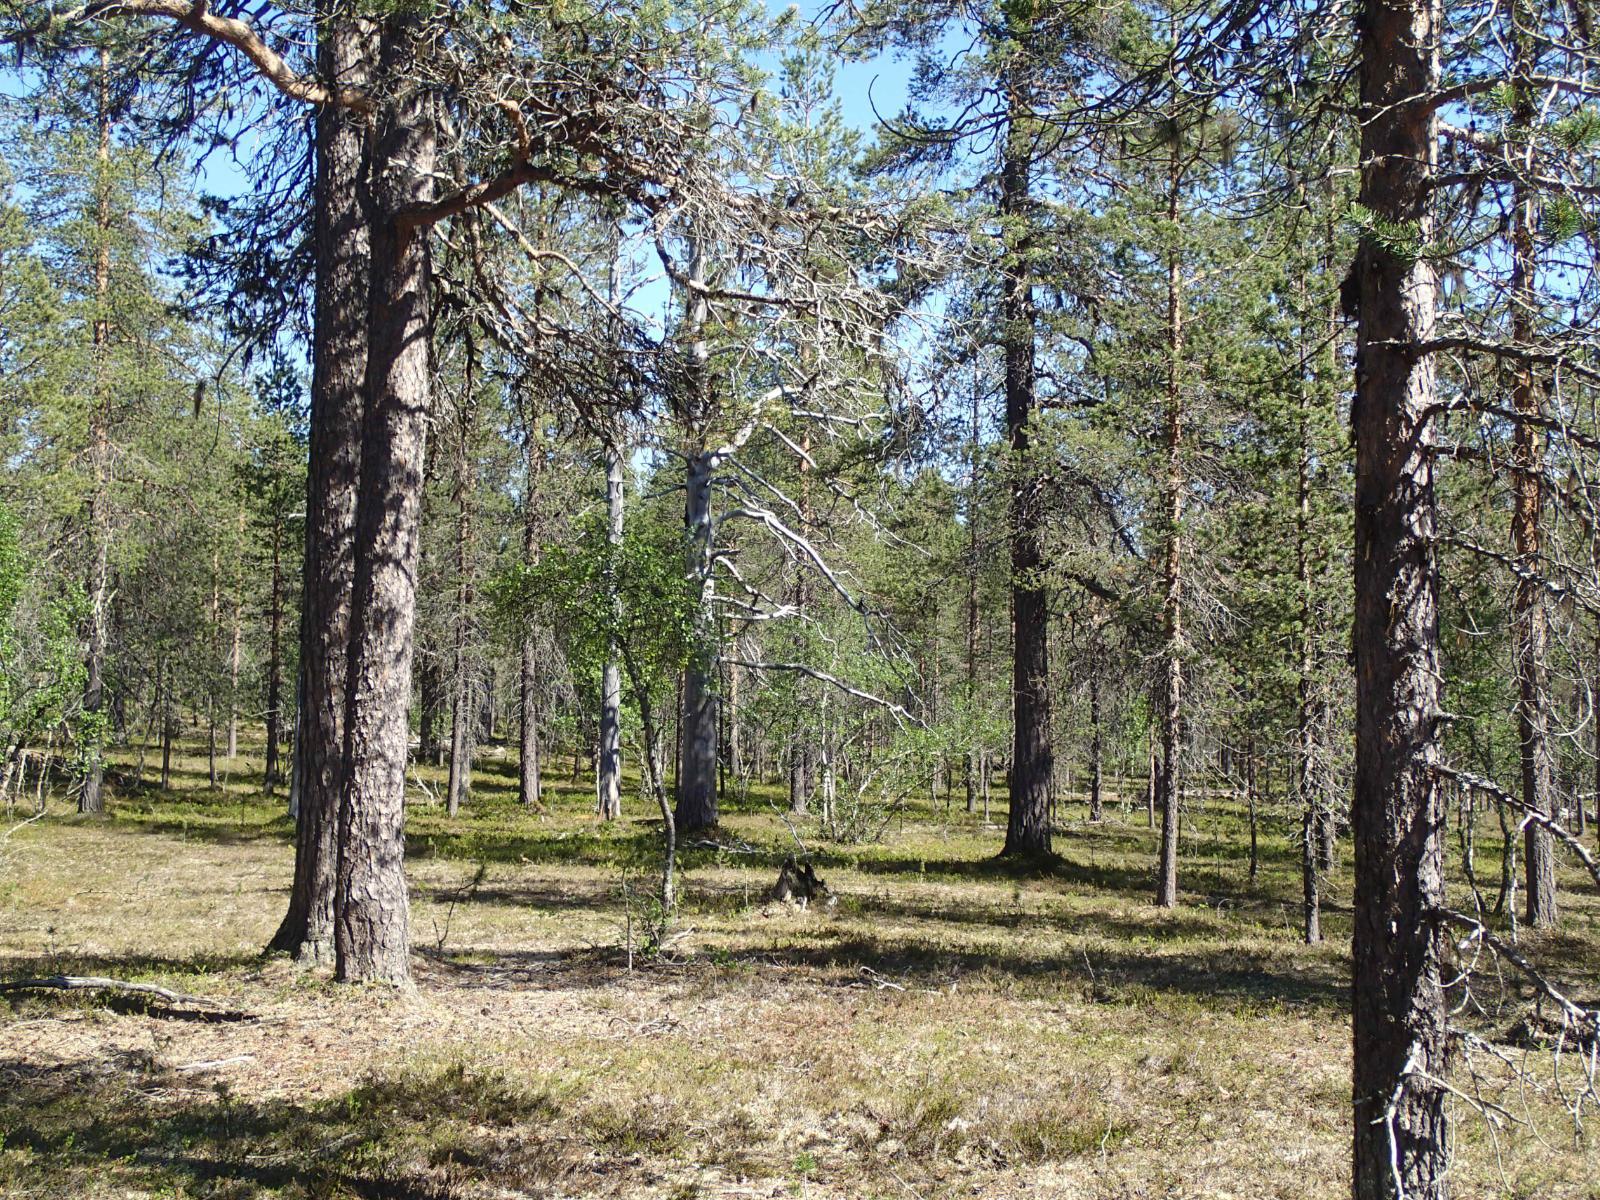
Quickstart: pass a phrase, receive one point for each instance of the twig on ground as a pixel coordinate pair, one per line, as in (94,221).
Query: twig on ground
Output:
(211,1064)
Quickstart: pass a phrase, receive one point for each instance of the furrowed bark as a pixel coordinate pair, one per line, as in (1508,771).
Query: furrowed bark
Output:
(339,356)
(372,928)
(1032,758)
(697,739)
(1400,1047)
(697,784)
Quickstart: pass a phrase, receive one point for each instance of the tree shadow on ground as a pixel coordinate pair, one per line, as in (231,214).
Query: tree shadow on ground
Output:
(133,1123)
(1225,978)
(1220,977)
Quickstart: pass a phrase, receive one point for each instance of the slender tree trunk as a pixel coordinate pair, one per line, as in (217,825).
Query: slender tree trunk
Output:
(529,787)
(608,782)
(235,655)
(1252,799)
(1530,620)
(274,662)
(1310,879)
(657,786)
(736,747)
(1152,769)
(339,355)
(972,584)
(98,515)
(164,706)
(530,790)
(1032,757)
(297,748)
(463,683)
(1169,796)
(1594,717)
(372,929)
(1097,811)
(1314,824)
(803,756)
(430,703)
(215,625)
(1401,1137)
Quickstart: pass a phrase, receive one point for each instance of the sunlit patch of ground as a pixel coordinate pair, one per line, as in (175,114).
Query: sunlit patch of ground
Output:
(949,1028)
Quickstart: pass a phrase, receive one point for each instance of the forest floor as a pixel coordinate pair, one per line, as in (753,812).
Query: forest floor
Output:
(952,1027)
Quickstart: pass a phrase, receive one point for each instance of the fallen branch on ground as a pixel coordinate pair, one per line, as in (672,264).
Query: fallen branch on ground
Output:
(211,1064)
(86,983)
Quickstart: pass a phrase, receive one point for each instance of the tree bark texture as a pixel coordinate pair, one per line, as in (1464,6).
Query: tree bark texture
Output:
(1400,1047)
(372,929)
(1032,758)
(339,356)
(697,783)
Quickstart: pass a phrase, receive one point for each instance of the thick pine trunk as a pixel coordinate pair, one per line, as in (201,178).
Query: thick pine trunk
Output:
(697,782)
(1401,1138)
(1032,759)
(339,355)
(608,763)
(698,716)
(372,927)
(800,776)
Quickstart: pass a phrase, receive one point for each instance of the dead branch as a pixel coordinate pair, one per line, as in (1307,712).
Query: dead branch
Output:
(1530,815)
(82,983)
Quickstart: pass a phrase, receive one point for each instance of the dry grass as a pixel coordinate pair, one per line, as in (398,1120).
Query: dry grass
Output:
(950,1029)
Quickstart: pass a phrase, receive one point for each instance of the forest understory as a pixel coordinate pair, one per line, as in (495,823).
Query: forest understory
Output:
(951,1026)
